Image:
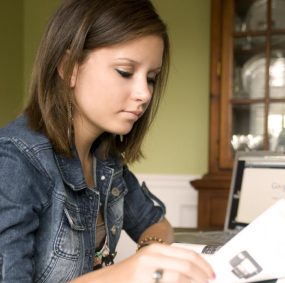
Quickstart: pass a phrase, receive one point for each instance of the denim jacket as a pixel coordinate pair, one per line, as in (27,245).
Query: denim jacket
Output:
(48,215)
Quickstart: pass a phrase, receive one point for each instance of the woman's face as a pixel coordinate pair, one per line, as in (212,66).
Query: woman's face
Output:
(114,85)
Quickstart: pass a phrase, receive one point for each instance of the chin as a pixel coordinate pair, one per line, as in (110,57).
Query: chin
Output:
(122,129)
(124,132)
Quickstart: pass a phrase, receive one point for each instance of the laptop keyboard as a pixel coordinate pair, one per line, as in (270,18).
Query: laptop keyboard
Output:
(217,236)
(209,238)
(210,249)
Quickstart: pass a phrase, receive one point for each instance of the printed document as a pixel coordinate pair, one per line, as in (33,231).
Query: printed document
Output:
(257,253)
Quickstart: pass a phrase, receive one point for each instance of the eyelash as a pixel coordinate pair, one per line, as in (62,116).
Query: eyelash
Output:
(127,75)
(124,74)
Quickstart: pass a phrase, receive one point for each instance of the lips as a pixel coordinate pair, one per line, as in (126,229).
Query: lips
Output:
(133,114)
(137,113)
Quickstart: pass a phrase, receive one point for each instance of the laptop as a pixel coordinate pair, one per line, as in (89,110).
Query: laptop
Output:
(258,180)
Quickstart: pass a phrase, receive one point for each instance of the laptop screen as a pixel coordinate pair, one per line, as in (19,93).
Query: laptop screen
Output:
(258,181)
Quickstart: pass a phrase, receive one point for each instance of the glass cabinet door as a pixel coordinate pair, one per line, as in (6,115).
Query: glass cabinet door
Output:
(253,77)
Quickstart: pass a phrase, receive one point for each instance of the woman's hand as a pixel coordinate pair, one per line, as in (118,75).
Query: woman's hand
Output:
(178,265)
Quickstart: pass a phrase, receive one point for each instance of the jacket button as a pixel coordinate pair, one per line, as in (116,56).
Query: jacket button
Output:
(103,178)
(115,192)
(114,230)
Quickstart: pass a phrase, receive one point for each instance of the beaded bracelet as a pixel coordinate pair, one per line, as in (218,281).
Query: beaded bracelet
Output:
(147,240)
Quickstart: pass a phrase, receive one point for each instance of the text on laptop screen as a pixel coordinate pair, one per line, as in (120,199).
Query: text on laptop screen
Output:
(261,186)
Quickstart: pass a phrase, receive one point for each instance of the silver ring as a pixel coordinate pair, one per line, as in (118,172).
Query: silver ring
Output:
(157,275)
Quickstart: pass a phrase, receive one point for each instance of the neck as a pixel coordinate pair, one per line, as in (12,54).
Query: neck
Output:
(86,160)
(83,146)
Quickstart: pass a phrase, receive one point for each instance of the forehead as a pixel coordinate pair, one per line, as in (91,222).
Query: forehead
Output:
(148,49)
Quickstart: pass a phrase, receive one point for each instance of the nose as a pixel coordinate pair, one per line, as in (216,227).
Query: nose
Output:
(142,91)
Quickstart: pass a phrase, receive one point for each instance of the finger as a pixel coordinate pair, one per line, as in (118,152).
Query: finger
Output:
(182,262)
(170,276)
(183,254)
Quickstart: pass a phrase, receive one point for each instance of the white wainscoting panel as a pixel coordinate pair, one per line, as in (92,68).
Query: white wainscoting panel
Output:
(180,200)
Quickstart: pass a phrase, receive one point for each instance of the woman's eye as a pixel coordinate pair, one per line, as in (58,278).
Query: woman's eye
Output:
(124,74)
(151,81)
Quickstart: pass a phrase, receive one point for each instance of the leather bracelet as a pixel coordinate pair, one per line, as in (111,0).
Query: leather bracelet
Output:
(148,240)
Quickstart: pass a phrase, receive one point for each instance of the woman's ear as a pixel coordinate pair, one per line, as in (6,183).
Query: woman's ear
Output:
(74,76)
(60,69)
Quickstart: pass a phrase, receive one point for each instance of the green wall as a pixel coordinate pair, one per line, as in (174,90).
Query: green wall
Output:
(178,140)
(11,59)
(36,15)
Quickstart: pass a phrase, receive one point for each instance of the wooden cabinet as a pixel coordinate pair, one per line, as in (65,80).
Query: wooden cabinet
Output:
(247,93)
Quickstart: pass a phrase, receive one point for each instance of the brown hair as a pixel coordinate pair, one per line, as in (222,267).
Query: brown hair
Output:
(81,26)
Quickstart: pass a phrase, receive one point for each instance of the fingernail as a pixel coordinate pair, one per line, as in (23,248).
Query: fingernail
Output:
(213,275)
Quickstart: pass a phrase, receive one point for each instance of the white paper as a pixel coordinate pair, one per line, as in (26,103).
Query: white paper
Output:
(256,253)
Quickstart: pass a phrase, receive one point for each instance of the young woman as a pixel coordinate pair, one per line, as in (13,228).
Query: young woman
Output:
(66,191)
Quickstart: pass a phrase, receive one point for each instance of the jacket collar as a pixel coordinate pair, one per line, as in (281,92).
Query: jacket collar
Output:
(71,170)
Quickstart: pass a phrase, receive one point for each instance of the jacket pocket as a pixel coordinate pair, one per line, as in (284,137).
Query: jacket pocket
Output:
(68,239)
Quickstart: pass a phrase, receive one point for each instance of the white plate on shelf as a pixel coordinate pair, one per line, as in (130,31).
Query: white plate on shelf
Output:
(253,75)
(256,16)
